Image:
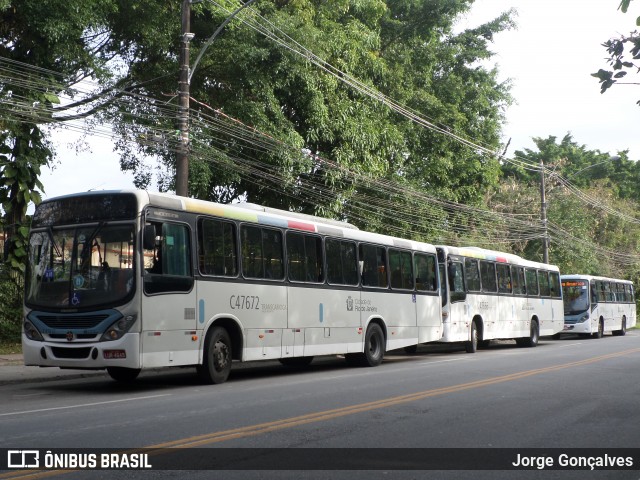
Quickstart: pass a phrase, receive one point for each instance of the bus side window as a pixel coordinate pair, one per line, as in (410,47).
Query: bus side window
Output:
(488,276)
(169,265)
(594,294)
(504,278)
(425,270)
(456,282)
(472,274)
(373,261)
(532,282)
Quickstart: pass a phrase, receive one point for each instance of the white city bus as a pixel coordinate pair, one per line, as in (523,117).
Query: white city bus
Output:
(597,305)
(129,280)
(492,295)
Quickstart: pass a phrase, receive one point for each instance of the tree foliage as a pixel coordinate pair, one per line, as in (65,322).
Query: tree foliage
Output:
(624,53)
(404,49)
(584,228)
(65,42)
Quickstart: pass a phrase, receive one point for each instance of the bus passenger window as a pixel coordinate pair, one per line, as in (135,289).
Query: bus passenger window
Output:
(401,272)
(217,248)
(342,266)
(374,266)
(456,282)
(543,280)
(472,274)
(169,264)
(532,282)
(488,276)
(425,269)
(304,258)
(504,278)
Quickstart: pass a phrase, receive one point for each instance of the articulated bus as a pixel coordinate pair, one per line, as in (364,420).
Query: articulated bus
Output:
(594,306)
(492,295)
(129,280)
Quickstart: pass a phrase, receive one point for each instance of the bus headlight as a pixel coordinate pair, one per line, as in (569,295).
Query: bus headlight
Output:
(32,332)
(118,328)
(583,318)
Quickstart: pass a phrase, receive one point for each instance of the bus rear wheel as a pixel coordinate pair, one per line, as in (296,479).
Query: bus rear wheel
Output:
(123,375)
(532,339)
(374,347)
(623,328)
(216,364)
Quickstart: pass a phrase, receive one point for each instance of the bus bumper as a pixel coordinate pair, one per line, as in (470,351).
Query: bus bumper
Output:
(124,352)
(584,327)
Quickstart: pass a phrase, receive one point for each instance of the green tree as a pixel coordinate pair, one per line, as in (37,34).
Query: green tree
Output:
(404,49)
(624,53)
(64,43)
(592,207)
(316,130)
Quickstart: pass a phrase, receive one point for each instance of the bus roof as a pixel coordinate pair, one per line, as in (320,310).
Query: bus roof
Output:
(579,276)
(260,215)
(495,256)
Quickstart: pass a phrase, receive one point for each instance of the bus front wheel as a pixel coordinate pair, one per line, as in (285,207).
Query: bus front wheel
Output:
(216,364)
(472,345)
(600,332)
(374,347)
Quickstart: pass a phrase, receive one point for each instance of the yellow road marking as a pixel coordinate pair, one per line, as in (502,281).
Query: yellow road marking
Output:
(262,428)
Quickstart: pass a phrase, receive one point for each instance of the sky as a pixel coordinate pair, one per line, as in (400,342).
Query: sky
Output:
(548,58)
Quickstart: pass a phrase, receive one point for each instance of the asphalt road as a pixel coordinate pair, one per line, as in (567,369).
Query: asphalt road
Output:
(566,394)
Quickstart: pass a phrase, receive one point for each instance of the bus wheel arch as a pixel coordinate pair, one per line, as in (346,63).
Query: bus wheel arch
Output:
(234,330)
(222,343)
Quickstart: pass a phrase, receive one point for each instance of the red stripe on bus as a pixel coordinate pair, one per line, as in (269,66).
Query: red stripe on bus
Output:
(301,226)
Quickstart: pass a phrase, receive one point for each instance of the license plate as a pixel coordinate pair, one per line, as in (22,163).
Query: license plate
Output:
(114,354)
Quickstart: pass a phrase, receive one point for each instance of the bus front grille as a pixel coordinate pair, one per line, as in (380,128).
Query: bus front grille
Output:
(72,321)
(62,352)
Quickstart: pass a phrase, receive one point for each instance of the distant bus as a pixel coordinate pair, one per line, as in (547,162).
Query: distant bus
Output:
(594,306)
(124,281)
(490,295)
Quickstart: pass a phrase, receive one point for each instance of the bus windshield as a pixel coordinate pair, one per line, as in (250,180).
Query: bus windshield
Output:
(80,267)
(576,296)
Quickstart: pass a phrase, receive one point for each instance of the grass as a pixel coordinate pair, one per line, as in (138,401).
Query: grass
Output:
(8,347)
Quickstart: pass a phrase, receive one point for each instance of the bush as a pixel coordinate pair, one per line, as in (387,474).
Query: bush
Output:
(10,308)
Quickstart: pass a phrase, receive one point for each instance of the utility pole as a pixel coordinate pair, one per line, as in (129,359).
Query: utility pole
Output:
(182,159)
(543,216)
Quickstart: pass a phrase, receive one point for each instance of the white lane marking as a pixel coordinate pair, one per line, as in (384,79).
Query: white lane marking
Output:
(433,362)
(83,405)
(570,345)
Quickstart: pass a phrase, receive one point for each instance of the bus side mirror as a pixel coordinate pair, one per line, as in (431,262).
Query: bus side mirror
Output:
(149,237)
